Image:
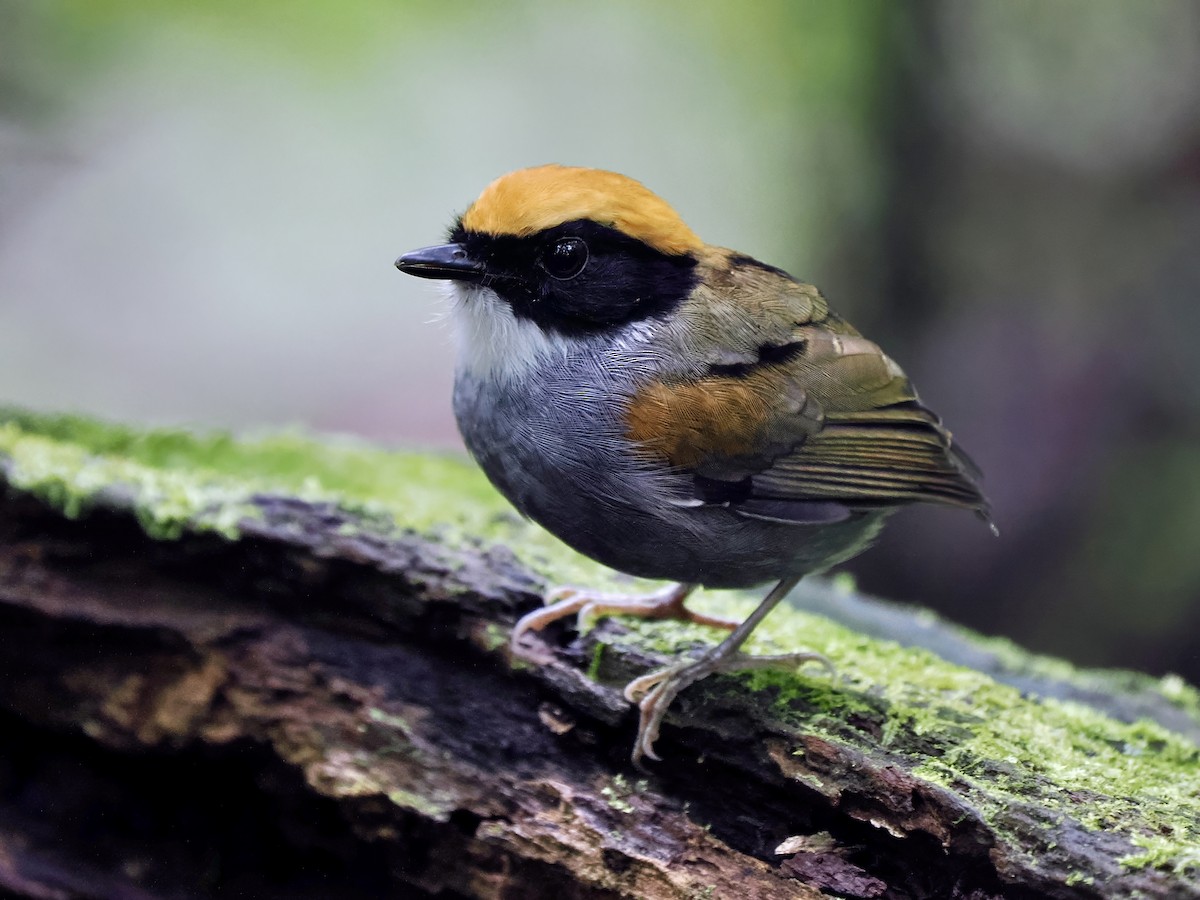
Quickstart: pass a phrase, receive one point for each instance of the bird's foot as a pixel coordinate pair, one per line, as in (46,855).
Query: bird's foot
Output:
(585,605)
(657,690)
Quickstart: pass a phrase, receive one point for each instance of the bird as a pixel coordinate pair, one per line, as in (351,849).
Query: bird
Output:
(672,409)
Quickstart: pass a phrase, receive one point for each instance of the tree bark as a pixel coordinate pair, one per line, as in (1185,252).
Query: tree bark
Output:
(323,705)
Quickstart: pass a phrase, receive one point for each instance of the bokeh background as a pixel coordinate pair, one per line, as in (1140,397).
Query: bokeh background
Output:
(200,204)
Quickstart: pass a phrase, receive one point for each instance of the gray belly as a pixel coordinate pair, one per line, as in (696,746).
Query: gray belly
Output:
(561,459)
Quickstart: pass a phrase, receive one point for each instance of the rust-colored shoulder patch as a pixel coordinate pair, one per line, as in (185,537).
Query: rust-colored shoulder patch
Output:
(527,201)
(726,423)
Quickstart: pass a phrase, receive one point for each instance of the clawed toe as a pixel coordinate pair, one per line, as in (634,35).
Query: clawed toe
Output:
(655,691)
(569,603)
(562,592)
(585,605)
(643,684)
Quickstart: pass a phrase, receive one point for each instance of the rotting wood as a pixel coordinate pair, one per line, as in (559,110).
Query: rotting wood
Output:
(317,708)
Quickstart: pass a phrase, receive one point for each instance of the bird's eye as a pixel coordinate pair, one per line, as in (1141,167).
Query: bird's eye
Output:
(565,258)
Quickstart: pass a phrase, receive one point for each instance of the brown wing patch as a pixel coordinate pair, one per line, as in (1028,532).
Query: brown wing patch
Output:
(837,422)
(793,406)
(527,201)
(728,426)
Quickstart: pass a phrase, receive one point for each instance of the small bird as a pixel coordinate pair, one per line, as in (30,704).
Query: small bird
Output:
(672,409)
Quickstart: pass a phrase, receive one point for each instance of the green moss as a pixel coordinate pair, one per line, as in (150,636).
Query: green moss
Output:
(615,800)
(495,636)
(1178,692)
(961,729)
(617,793)
(844,582)
(1016,659)
(593,671)
(1163,852)
(951,725)
(176,480)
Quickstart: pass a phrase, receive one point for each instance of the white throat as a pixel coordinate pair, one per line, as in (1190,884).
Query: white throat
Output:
(494,343)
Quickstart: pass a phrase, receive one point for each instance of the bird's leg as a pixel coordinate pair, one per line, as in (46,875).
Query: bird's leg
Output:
(667,603)
(661,687)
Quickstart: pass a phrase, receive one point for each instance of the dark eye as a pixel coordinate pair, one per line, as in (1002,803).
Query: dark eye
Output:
(565,258)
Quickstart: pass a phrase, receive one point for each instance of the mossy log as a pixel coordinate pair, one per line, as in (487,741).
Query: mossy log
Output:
(277,667)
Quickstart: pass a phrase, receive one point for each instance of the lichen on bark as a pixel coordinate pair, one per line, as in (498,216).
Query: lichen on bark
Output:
(1004,769)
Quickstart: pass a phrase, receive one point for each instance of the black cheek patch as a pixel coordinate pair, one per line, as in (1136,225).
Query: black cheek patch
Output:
(616,288)
(624,280)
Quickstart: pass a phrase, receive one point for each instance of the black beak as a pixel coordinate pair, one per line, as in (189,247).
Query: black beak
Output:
(445,261)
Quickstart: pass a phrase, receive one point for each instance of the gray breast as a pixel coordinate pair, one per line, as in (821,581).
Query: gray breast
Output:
(552,441)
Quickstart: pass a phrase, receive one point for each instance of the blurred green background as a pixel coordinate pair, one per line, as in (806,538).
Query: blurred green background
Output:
(200,205)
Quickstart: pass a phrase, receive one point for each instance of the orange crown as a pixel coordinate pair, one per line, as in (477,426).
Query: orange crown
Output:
(527,201)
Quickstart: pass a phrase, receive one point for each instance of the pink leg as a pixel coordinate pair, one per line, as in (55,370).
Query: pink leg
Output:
(668,603)
(655,691)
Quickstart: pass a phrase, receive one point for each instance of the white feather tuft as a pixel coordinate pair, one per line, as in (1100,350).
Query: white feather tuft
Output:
(494,343)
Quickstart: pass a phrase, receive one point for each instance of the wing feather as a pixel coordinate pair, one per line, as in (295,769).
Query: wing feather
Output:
(804,413)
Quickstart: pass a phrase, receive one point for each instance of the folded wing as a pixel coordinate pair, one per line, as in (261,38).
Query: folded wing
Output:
(816,424)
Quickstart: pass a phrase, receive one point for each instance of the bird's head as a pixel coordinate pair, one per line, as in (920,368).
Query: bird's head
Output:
(567,251)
